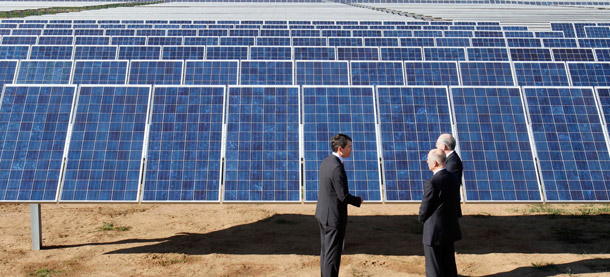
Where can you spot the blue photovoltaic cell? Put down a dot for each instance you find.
(401, 54)
(237, 41)
(580, 29)
(541, 74)
(200, 41)
(183, 53)
(531, 54)
(572, 151)
(549, 34)
(597, 32)
(594, 43)
(380, 41)
(487, 54)
(44, 72)
(358, 53)
(444, 54)
(494, 145)
(55, 52)
(347, 110)
(211, 73)
(590, 74)
(453, 42)
(308, 41)
(377, 73)
(322, 73)
(574, 55)
(603, 55)
(273, 41)
(128, 41)
(523, 42)
(7, 72)
(105, 154)
(411, 119)
(431, 73)
(560, 43)
(164, 41)
(345, 42)
(43, 40)
(155, 73)
(486, 74)
(24, 40)
(416, 42)
(227, 53)
(33, 127)
(270, 53)
(17, 52)
(566, 28)
(95, 52)
(488, 42)
(139, 52)
(266, 73)
(185, 140)
(262, 155)
(92, 40)
(100, 72)
(150, 32)
(314, 53)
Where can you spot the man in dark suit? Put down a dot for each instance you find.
(446, 143)
(439, 214)
(331, 210)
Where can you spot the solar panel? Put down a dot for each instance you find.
(212, 33)
(444, 54)
(262, 154)
(95, 52)
(573, 55)
(518, 34)
(309, 41)
(584, 43)
(427, 34)
(487, 54)
(345, 42)
(128, 41)
(380, 41)
(453, 42)
(16, 40)
(273, 41)
(139, 52)
(431, 73)
(164, 41)
(549, 34)
(351, 111)
(56, 52)
(25, 32)
(211, 72)
(155, 72)
(597, 32)
(227, 53)
(366, 33)
(560, 43)
(486, 74)
(243, 33)
(603, 55)
(458, 34)
(90, 40)
(237, 41)
(401, 54)
(541, 74)
(89, 32)
(397, 33)
(566, 28)
(58, 32)
(305, 33)
(314, 53)
(181, 32)
(183, 53)
(336, 33)
(105, 153)
(33, 126)
(184, 145)
(100, 72)
(270, 53)
(572, 150)
(266, 73)
(275, 33)
(411, 119)
(530, 54)
(44, 72)
(523, 42)
(416, 42)
(589, 74)
(377, 73)
(200, 41)
(118, 32)
(150, 32)
(488, 42)
(322, 73)
(14, 52)
(358, 53)
(580, 29)
(494, 145)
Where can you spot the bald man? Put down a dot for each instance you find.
(446, 143)
(439, 214)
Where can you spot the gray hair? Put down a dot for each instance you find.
(437, 155)
(447, 140)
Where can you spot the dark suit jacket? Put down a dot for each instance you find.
(454, 165)
(439, 209)
(333, 194)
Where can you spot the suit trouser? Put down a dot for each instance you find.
(331, 239)
(440, 260)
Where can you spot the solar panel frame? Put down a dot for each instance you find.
(157, 144)
(322, 73)
(444, 53)
(410, 119)
(428, 73)
(43, 75)
(51, 52)
(374, 73)
(271, 74)
(95, 157)
(223, 53)
(269, 147)
(541, 74)
(139, 52)
(315, 53)
(58, 139)
(19, 40)
(220, 72)
(358, 53)
(530, 54)
(573, 54)
(270, 53)
(14, 52)
(359, 181)
(139, 72)
(97, 71)
(85, 52)
(487, 54)
(183, 52)
(471, 76)
(501, 108)
(593, 73)
(559, 114)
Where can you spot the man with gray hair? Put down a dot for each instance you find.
(438, 213)
(446, 143)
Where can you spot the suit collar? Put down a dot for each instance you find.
(338, 156)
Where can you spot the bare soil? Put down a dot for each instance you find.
(283, 240)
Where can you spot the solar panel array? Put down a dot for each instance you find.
(243, 111)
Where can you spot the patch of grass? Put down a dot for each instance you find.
(544, 266)
(545, 209)
(110, 227)
(169, 259)
(45, 272)
(605, 209)
(481, 215)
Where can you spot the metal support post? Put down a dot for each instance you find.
(36, 230)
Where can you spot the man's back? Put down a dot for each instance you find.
(439, 209)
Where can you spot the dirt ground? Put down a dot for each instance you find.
(283, 240)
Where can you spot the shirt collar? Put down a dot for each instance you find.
(436, 171)
(338, 156)
(450, 153)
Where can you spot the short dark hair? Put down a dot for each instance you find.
(339, 140)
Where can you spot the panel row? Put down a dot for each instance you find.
(172, 72)
(248, 143)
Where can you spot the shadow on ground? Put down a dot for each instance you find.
(386, 235)
(543, 270)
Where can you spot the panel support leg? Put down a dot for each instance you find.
(36, 230)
